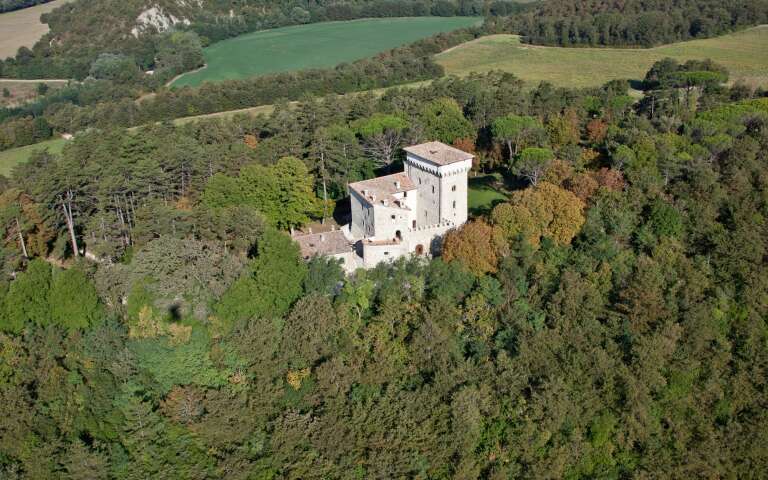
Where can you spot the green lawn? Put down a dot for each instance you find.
(485, 192)
(11, 158)
(313, 46)
(745, 54)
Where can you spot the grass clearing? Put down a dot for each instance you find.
(11, 158)
(485, 192)
(316, 45)
(22, 28)
(743, 53)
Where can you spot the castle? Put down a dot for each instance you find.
(401, 214)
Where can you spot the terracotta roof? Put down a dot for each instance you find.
(328, 243)
(381, 189)
(439, 153)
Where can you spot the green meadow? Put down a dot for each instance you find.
(313, 46)
(744, 53)
(11, 158)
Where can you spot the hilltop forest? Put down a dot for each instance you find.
(606, 320)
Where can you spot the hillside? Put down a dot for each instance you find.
(743, 54)
(319, 45)
(23, 28)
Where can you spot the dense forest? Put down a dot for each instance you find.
(633, 22)
(608, 320)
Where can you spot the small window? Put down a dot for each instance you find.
(386, 253)
(393, 217)
(454, 204)
(433, 189)
(419, 181)
(453, 188)
(405, 194)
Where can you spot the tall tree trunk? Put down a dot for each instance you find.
(325, 190)
(21, 239)
(66, 206)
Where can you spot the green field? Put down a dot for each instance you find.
(745, 54)
(485, 192)
(11, 158)
(313, 46)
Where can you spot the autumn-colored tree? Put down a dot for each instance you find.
(582, 185)
(542, 211)
(564, 129)
(610, 179)
(597, 129)
(473, 245)
(558, 172)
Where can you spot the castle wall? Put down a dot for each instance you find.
(362, 225)
(428, 185)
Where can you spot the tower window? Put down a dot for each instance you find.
(454, 204)
(393, 217)
(419, 180)
(453, 188)
(433, 189)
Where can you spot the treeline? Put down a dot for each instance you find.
(11, 5)
(107, 102)
(634, 22)
(607, 320)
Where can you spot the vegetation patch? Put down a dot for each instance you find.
(313, 46)
(11, 158)
(742, 53)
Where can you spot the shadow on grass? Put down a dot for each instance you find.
(485, 192)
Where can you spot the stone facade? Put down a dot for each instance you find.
(402, 214)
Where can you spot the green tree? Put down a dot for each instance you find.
(73, 300)
(443, 120)
(532, 163)
(382, 136)
(27, 300)
(270, 284)
(516, 131)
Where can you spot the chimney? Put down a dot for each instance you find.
(385, 202)
(397, 184)
(310, 230)
(322, 237)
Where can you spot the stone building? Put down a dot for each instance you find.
(405, 213)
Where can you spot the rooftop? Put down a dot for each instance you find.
(327, 243)
(382, 189)
(439, 153)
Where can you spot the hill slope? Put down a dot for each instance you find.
(743, 53)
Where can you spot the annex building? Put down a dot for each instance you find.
(406, 213)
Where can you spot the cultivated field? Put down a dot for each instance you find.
(313, 46)
(745, 54)
(15, 156)
(23, 91)
(22, 28)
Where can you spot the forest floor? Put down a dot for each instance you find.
(22, 28)
(317, 45)
(743, 53)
